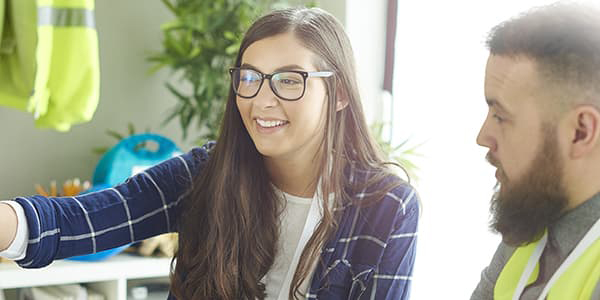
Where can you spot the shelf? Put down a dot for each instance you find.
(119, 268)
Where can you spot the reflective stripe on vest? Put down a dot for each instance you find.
(62, 17)
(576, 278)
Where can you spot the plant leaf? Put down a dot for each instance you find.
(100, 150)
(130, 128)
(114, 134)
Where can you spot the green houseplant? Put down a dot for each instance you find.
(403, 153)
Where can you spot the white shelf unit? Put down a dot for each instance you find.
(109, 277)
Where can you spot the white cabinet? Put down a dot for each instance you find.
(109, 277)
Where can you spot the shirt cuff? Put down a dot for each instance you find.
(18, 248)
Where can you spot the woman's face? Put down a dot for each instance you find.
(279, 128)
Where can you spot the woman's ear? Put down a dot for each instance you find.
(585, 130)
(342, 97)
(341, 104)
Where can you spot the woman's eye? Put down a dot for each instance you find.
(289, 81)
(250, 79)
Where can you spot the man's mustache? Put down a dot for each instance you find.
(492, 160)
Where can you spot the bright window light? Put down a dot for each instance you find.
(439, 99)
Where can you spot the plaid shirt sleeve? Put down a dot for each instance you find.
(143, 206)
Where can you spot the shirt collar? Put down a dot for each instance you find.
(573, 225)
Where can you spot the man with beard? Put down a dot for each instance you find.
(542, 86)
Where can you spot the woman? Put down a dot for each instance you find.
(294, 200)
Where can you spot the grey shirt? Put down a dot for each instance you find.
(563, 236)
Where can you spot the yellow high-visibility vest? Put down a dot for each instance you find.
(575, 279)
(49, 63)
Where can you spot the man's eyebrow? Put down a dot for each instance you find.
(491, 102)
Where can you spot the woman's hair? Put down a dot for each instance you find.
(230, 220)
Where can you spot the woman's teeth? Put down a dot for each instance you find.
(264, 123)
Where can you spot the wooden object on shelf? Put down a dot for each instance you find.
(163, 245)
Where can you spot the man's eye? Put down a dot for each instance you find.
(498, 118)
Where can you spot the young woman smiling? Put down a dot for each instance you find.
(294, 200)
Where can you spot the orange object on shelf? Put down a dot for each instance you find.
(71, 187)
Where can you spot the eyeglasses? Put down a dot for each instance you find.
(287, 85)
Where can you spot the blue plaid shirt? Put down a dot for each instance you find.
(371, 256)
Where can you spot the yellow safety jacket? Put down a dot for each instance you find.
(575, 279)
(49, 63)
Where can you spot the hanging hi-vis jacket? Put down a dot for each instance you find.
(575, 279)
(49, 63)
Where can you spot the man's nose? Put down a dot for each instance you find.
(485, 139)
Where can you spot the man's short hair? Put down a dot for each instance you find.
(562, 38)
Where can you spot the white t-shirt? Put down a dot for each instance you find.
(292, 221)
(18, 247)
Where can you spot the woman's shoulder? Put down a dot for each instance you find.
(202, 153)
(384, 208)
(402, 195)
(194, 160)
(382, 190)
(364, 182)
(406, 196)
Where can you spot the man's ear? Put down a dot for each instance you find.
(342, 97)
(585, 129)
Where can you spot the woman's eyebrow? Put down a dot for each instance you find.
(289, 67)
(249, 66)
(282, 68)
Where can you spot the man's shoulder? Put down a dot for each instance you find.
(489, 275)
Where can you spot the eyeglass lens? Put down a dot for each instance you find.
(286, 85)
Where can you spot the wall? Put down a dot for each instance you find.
(127, 31)
(366, 25)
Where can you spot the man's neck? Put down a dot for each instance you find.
(582, 187)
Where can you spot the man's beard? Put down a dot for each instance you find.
(521, 210)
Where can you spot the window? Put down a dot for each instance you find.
(438, 98)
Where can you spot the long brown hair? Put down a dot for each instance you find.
(230, 221)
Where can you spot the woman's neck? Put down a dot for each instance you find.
(296, 176)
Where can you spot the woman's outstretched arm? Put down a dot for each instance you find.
(143, 206)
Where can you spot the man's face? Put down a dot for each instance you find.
(512, 129)
(524, 149)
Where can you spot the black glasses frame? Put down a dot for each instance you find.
(305, 75)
